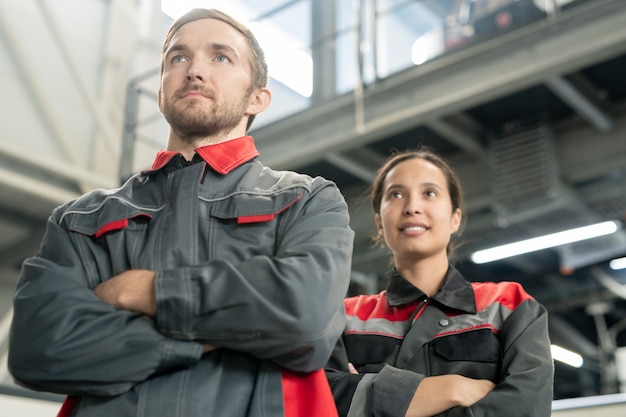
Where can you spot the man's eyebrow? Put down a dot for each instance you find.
(215, 46)
(176, 48)
(222, 47)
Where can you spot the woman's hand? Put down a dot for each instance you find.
(437, 394)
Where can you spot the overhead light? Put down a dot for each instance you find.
(544, 242)
(568, 357)
(618, 263)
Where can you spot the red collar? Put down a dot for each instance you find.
(222, 157)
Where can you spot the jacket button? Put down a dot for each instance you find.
(444, 322)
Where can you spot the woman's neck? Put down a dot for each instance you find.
(426, 274)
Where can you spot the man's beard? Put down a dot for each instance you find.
(197, 120)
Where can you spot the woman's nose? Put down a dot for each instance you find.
(412, 206)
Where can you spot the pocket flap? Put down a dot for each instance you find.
(481, 345)
(254, 208)
(111, 216)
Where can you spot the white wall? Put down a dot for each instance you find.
(14, 406)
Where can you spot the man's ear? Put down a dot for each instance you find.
(159, 100)
(259, 101)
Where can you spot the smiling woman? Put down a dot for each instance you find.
(433, 343)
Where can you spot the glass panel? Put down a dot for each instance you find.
(284, 32)
(409, 33)
(346, 63)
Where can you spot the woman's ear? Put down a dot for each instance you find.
(379, 225)
(457, 216)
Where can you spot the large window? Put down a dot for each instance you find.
(319, 49)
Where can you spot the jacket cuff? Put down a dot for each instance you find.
(179, 354)
(174, 299)
(392, 391)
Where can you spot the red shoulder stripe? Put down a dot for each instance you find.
(508, 294)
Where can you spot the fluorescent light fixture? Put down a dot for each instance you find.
(618, 263)
(568, 357)
(289, 63)
(544, 242)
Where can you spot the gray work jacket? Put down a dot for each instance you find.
(250, 259)
(481, 330)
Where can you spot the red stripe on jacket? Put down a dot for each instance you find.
(372, 307)
(307, 394)
(508, 294)
(67, 406)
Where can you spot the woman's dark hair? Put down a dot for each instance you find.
(454, 184)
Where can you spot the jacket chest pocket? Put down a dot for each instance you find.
(247, 224)
(110, 239)
(474, 354)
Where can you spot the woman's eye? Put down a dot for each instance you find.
(222, 58)
(431, 193)
(178, 58)
(396, 194)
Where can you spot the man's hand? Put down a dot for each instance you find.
(131, 290)
(209, 348)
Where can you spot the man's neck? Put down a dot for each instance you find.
(188, 147)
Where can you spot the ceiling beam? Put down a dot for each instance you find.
(349, 165)
(586, 106)
(467, 142)
(58, 168)
(40, 190)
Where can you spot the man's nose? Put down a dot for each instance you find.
(195, 73)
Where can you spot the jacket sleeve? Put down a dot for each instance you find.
(287, 307)
(527, 375)
(64, 339)
(380, 390)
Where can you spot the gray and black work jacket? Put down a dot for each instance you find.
(249, 259)
(485, 330)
